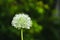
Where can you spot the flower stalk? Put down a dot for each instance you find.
(21, 34)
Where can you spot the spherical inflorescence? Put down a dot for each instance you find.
(21, 21)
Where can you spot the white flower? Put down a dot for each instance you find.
(22, 21)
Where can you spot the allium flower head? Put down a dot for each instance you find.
(22, 21)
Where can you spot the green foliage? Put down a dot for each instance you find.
(46, 23)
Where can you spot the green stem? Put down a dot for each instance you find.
(21, 34)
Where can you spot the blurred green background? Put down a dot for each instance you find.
(46, 22)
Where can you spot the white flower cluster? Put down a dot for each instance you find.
(22, 21)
